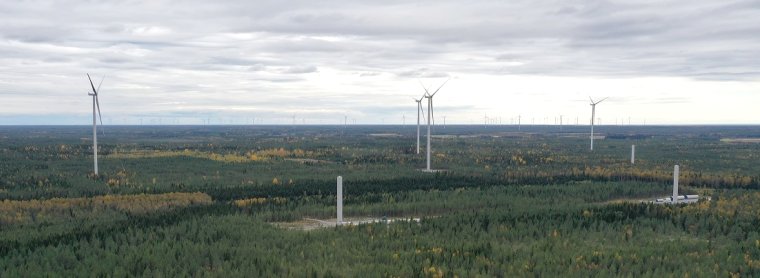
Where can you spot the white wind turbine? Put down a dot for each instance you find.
(95, 109)
(420, 111)
(593, 116)
(431, 115)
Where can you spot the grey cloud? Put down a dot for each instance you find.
(282, 79)
(422, 73)
(257, 67)
(300, 69)
(234, 61)
(209, 47)
(368, 74)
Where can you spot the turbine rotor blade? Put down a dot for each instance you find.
(439, 88)
(595, 103)
(101, 83)
(97, 103)
(423, 87)
(93, 85)
(422, 110)
(432, 111)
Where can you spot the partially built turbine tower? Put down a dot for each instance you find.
(675, 184)
(633, 154)
(339, 205)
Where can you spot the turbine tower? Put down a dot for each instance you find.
(431, 114)
(419, 112)
(95, 117)
(593, 115)
(339, 205)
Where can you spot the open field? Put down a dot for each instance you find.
(258, 201)
(740, 140)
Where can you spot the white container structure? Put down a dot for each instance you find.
(675, 184)
(680, 199)
(633, 154)
(340, 201)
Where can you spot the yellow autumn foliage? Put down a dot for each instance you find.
(248, 202)
(249, 156)
(241, 203)
(745, 205)
(227, 158)
(12, 212)
(432, 271)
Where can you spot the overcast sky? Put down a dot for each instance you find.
(188, 62)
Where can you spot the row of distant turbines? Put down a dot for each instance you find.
(431, 117)
(420, 113)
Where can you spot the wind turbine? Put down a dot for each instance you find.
(431, 115)
(95, 109)
(593, 115)
(420, 111)
(519, 122)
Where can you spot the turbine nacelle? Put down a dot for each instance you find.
(430, 96)
(94, 94)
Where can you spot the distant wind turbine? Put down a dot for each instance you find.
(593, 116)
(519, 122)
(421, 112)
(431, 116)
(95, 109)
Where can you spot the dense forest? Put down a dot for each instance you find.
(221, 201)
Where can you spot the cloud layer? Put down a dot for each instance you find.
(321, 60)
